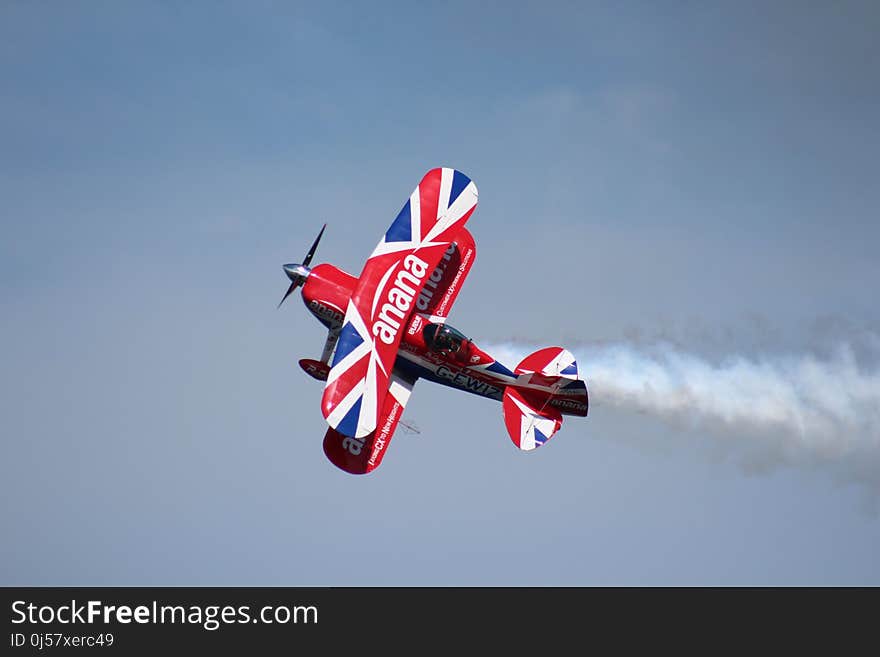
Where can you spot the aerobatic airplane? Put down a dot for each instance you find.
(387, 329)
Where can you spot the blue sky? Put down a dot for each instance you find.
(702, 175)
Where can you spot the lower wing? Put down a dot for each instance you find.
(363, 455)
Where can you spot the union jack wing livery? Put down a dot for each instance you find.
(363, 455)
(387, 328)
(385, 296)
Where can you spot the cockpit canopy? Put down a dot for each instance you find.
(442, 337)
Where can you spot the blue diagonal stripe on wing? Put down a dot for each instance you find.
(348, 425)
(459, 182)
(401, 229)
(349, 340)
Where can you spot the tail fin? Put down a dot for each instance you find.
(547, 387)
(550, 361)
(554, 371)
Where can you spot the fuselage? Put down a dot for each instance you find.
(430, 349)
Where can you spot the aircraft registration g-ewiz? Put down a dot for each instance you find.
(387, 329)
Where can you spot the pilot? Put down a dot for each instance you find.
(448, 343)
(445, 342)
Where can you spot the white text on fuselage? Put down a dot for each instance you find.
(400, 298)
(466, 382)
(333, 316)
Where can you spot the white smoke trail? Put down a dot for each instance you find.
(812, 409)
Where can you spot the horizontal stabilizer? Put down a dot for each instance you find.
(530, 425)
(315, 368)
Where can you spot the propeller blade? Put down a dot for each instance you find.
(292, 287)
(308, 258)
(298, 273)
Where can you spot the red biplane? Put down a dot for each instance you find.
(387, 329)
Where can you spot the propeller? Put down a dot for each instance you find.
(298, 273)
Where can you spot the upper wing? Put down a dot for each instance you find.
(389, 286)
(444, 283)
(363, 455)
